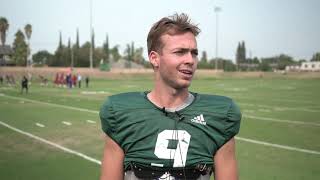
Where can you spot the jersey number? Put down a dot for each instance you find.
(179, 155)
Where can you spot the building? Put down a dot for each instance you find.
(5, 55)
(310, 66)
(305, 66)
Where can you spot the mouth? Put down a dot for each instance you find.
(186, 72)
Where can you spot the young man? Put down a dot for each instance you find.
(169, 132)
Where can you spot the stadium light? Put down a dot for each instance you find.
(217, 10)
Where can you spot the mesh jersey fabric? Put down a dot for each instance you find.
(151, 137)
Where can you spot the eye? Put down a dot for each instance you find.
(179, 52)
(194, 53)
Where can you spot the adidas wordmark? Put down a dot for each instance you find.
(199, 119)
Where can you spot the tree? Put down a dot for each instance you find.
(127, 53)
(69, 54)
(115, 53)
(20, 48)
(238, 54)
(285, 60)
(60, 57)
(265, 66)
(59, 54)
(106, 49)
(75, 49)
(4, 26)
(241, 54)
(28, 31)
(83, 55)
(228, 65)
(316, 57)
(60, 40)
(42, 57)
(138, 56)
(204, 57)
(132, 51)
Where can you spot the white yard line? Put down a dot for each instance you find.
(239, 138)
(67, 123)
(51, 104)
(282, 107)
(281, 100)
(40, 125)
(52, 143)
(278, 146)
(90, 121)
(97, 112)
(281, 120)
(99, 162)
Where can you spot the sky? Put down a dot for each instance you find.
(268, 27)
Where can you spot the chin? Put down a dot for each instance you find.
(184, 84)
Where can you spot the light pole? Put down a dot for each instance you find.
(91, 50)
(217, 10)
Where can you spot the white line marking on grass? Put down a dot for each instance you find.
(281, 120)
(282, 108)
(264, 110)
(99, 162)
(97, 112)
(281, 100)
(278, 146)
(94, 92)
(244, 139)
(40, 125)
(67, 123)
(52, 104)
(89, 121)
(52, 143)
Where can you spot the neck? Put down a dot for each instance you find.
(168, 97)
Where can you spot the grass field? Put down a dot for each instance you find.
(278, 140)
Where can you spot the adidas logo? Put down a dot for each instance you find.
(199, 120)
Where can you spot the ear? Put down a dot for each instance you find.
(154, 59)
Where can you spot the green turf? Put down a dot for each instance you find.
(283, 100)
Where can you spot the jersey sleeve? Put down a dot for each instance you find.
(108, 120)
(233, 120)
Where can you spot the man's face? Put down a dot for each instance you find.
(178, 60)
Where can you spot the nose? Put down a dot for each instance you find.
(190, 58)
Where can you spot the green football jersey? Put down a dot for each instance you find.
(151, 136)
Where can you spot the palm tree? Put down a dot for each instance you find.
(28, 32)
(4, 26)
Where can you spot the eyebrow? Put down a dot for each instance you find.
(186, 49)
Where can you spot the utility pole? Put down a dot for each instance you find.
(217, 10)
(91, 50)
